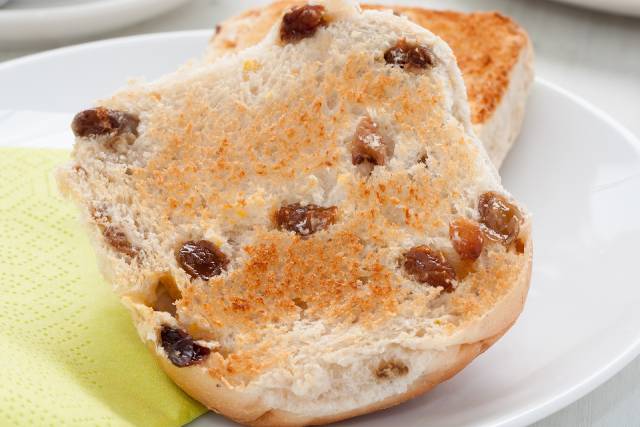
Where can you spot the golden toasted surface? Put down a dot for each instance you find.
(487, 45)
(210, 166)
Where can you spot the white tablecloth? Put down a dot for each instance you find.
(596, 56)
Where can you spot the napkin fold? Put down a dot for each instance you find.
(70, 354)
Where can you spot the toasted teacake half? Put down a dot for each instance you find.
(308, 230)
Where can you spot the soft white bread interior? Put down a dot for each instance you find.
(493, 52)
(309, 229)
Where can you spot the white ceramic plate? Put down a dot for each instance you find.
(576, 169)
(30, 21)
(623, 7)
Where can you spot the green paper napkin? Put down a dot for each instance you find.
(70, 354)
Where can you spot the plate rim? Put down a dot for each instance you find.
(538, 410)
(625, 8)
(608, 370)
(113, 41)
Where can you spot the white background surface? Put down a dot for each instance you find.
(594, 55)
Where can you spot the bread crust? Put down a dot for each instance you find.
(218, 398)
(466, 354)
(502, 127)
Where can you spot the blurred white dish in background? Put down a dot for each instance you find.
(623, 7)
(25, 4)
(41, 23)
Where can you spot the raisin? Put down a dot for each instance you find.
(466, 238)
(180, 348)
(118, 240)
(500, 219)
(101, 121)
(305, 220)
(369, 145)
(430, 267)
(409, 55)
(300, 303)
(391, 369)
(301, 22)
(202, 259)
